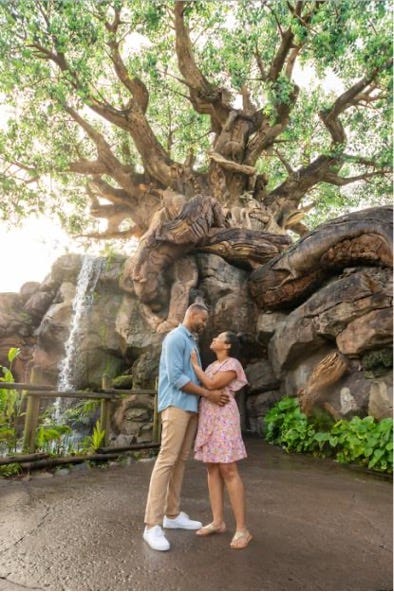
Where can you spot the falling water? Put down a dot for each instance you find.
(87, 280)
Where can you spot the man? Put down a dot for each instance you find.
(178, 394)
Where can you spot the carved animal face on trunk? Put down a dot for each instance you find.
(152, 291)
(173, 202)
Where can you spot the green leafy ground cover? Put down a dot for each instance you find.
(363, 441)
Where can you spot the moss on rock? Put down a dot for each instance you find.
(377, 362)
(123, 381)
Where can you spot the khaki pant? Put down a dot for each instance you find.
(178, 431)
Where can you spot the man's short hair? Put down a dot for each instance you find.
(197, 307)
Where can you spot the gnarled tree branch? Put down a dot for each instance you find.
(204, 97)
(134, 85)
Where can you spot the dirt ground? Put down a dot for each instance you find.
(316, 526)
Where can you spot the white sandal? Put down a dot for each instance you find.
(241, 539)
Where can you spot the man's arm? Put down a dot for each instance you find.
(216, 396)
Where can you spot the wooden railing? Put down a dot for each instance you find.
(106, 396)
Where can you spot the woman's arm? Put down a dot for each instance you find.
(220, 380)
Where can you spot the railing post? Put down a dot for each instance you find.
(31, 422)
(105, 410)
(106, 382)
(105, 419)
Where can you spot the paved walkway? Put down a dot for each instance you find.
(317, 526)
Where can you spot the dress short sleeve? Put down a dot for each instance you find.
(240, 380)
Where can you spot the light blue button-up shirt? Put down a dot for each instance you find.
(176, 370)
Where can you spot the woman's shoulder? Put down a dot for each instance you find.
(236, 361)
(240, 379)
(232, 364)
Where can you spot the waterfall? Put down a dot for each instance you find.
(87, 280)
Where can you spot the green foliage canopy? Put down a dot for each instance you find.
(105, 99)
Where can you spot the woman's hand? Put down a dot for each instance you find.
(194, 359)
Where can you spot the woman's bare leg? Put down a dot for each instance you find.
(235, 488)
(215, 488)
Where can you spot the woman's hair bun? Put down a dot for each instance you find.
(241, 337)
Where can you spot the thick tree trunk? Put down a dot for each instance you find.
(181, 227)
(244, 247)
(199, 225)
(359, 238)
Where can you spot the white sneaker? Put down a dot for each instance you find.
(155, 538)
(181, 521)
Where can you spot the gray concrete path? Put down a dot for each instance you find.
(316, 526)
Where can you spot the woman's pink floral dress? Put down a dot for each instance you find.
(219, 437)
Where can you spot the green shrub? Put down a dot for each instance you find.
(362, 441)
(82, 412)
(93, 442)
(286, 425)
(377, 362)
(365, 441)
(50, 437)
(10, 470)
(8, 439)
(123, 381)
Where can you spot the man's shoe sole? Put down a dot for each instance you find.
(182, 527)
(153, 548)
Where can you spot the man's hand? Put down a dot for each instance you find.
(218, 397)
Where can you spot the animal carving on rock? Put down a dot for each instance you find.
(232, 141)
(328, 371)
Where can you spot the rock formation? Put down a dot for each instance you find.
(321, 299)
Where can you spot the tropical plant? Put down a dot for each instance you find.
(94, 441)
(82, 412)
(8, 439)
(282, 103)
(285, 424)
(11, 406)
(65, 438)
(362, 441)
(10, 470)
(51, 438)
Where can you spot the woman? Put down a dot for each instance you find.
(219, 442)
